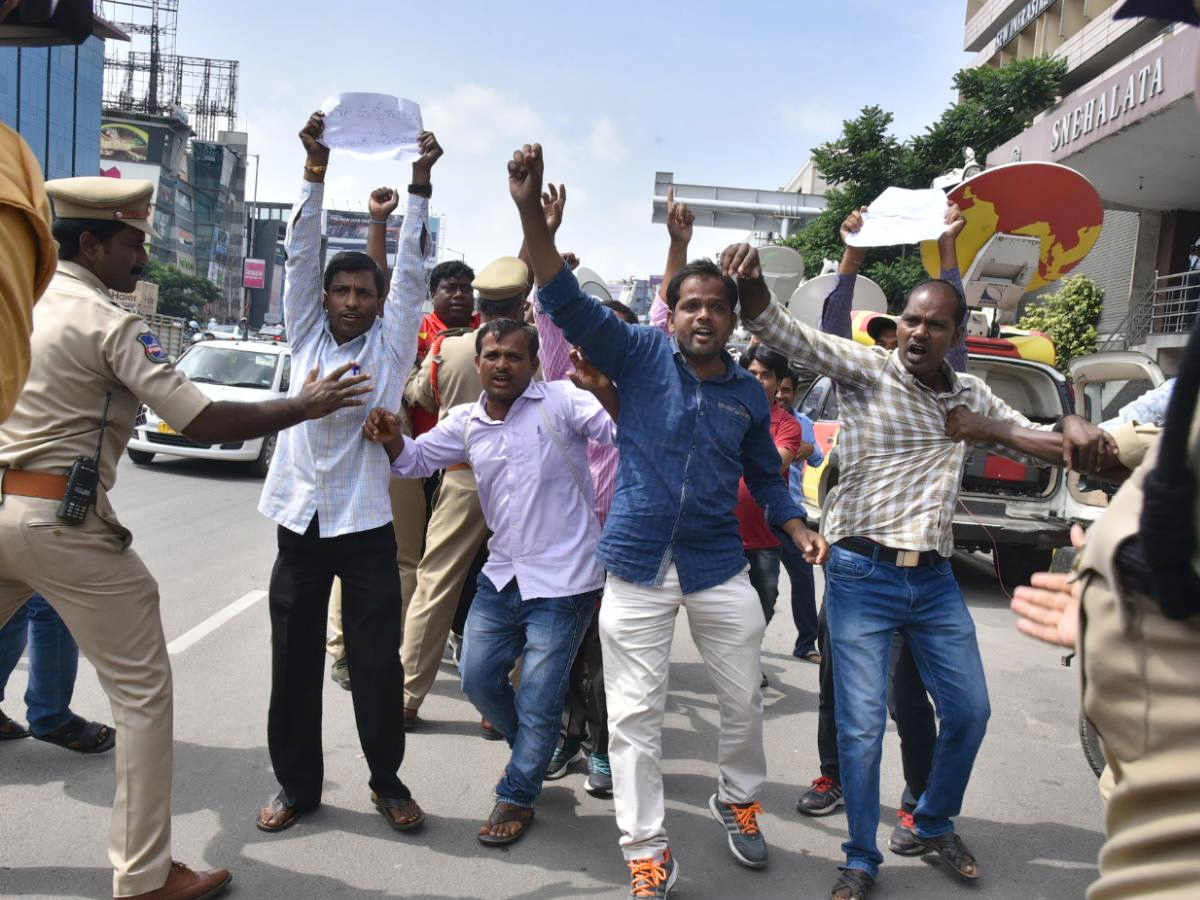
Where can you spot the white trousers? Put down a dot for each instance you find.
(637, 625)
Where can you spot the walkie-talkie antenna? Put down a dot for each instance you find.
(103, 425)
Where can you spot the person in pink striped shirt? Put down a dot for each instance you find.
(586, 713)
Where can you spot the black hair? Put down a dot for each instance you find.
(69, 232)
(451, 268)
(621, 310)
(773, 360)
(960, 300)
(498, 328)
(354, 261)
(793, 375)
(703, 268)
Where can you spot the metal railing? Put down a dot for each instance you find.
(1175, 302)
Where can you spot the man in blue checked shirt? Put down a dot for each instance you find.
(692, 421)
(327, 492)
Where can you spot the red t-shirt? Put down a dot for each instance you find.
(431, 326)
(756, 533)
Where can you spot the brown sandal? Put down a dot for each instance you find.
(11, 729)
(410, 814)
(501, 813)
(950, 849)
(278, 815)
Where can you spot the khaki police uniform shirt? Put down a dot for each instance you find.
(84, 346)
(28, 254)
(457, 377)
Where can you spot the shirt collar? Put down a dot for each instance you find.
(79, 273)
(355, 344)
(535, 391)
(730, 365)
(957, 385)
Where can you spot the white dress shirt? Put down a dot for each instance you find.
(537, 505)
(324, 467)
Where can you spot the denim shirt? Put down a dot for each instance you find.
(684, 444)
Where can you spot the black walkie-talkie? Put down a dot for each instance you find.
(83, 479)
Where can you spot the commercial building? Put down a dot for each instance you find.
(1128, 121)
(52, 96)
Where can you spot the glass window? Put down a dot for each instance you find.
(812, 400)
(31, 107)
(229, 366)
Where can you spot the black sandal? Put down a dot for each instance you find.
(81, 736)
(506, 812)
(951, 850)
(11, 729)
(857, 884)
(409, 806)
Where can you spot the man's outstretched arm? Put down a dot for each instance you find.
(302, 292)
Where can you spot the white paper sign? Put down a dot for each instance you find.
(372, 126)
(902, 216)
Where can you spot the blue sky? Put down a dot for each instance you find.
(722, 93)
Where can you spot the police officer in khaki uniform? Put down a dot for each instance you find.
(92, 364)
(457, 529)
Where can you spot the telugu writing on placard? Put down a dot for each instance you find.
(902, 216)
(372, 126)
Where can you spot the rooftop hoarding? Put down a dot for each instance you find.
(347, 230)
(125, 142)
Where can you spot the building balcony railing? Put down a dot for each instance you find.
(1175, 303)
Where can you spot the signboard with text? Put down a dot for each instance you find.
(254, 273)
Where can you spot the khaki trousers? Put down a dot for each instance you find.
(408, 520)
(109, 601)
(456, 532)
(1141, 689)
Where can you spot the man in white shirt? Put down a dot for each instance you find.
(526, 442)
(327, 490)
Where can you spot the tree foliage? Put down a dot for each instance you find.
(180, 294)
(1069, 316)
(995, 105)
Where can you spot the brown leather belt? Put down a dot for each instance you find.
(459, 467)
(29, 483)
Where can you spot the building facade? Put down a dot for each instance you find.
(1127, 120)
(52, 96)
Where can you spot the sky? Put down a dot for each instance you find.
(717, 93)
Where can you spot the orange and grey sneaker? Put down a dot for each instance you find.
(903, 841)
(652, 876)
(746, 841)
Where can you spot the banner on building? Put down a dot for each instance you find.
(347, 230)
(124, 142)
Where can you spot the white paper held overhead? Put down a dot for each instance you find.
(372, 126)
(902, 216)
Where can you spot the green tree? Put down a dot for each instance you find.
(180, 294)
(1069, 316)
(995, 105)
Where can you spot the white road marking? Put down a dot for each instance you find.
(213, 622)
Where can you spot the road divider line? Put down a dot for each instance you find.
(213, 622)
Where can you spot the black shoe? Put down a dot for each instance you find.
(599, 782)
(821, 799)
(339, 673)
(560, 762)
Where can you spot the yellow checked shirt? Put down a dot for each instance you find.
(85, 346)
(27, 257)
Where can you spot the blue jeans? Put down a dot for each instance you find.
(547, 632)
(53, 662)
(866, 601)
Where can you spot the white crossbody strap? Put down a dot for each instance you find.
(562, 449)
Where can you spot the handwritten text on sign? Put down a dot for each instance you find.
(372, 126)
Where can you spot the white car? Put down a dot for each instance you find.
(246, 371)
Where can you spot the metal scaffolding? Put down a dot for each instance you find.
(148, 76)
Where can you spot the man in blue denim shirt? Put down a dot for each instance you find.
(691, 423)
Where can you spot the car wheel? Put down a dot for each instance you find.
(265, 455)
(1016, 563)
(140, 457)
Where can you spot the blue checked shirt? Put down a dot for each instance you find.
(684, 444)
(325, 467)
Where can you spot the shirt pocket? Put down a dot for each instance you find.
(727, 421)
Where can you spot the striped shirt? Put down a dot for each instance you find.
(324, 467)
(899, 473)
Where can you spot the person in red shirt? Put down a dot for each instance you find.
(762, 547)
(453, 308)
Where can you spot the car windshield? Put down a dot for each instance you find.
(229, 366)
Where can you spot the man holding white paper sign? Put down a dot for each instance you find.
(372, 126)
(901, 216)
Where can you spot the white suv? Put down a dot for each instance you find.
(245, 371)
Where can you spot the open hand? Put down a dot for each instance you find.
(431, 152)
(310, 137)
(680, 219)
(381, 426)
(554, 199)
(322, 396)
(586, 376)
(383, 202)
(525, 171)
(1049, 609)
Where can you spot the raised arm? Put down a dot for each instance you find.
(554, 353)
(402, 311)
(302, 292)
(845, 361)
(680, 220)
(956, 356)
(835, 314)
(382, 203)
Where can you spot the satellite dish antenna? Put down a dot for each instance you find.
(782, 268)
(592, 284)
(807, 301)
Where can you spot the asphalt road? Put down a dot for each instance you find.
(1032, 814)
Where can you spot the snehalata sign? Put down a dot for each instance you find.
(1108, 104)
(254, 273)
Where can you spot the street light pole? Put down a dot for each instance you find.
(250, 236)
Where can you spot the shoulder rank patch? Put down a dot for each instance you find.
(154, 351)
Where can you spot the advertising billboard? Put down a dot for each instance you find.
(347, 230)
(254, 273)
(123, 142)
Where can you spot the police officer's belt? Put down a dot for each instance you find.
(28, 483)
